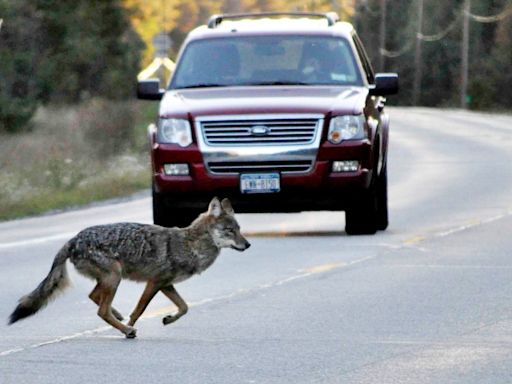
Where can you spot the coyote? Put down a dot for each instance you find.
(160, 256)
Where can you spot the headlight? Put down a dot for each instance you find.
(174, 131)
(348, 127)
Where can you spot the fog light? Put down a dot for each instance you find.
(176, 169)
(345, 166)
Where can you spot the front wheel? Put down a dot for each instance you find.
(362, 217)
(369, 213)
(382, 200)
(170, 217)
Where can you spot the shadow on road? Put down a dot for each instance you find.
(295, 233)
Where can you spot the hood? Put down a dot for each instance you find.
(325, 100)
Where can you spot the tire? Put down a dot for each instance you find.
(167, 217)
(382, 200)
(362, 218)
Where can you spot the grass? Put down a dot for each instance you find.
(75, 155)
(46, 201)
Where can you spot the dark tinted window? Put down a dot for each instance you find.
(267, 60)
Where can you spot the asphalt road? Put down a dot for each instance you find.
(427, 301)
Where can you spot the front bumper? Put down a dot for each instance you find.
(318, 189)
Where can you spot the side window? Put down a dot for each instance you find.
(364, 60)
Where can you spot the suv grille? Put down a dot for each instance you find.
(265, 166)
(259, 132)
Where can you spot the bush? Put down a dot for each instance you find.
(74, 155)
(107, 126)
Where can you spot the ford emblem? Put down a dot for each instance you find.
(260, 130)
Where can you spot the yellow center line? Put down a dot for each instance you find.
(415, 240)
(317, 269)
(474, 222)
(325, 267)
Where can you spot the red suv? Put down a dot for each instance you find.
(278, 112)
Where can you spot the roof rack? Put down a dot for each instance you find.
(215, 20)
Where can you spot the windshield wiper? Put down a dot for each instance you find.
(280, 82)
(214, 85)
(203, 85)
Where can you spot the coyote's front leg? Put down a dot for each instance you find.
(149, 292)
(171, 293)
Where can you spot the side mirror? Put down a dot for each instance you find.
(149, 89)
(385, 84)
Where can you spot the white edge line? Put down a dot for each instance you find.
(478, 223)
(219, 298)
(37, 240)
(157, 313)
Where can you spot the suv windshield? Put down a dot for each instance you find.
(266, 60)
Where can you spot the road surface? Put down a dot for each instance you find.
(427, 301)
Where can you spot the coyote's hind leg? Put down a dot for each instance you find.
(95, 297)
(172, 294)
(107, 290)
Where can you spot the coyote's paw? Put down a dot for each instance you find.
(130, 333)
(169, 319)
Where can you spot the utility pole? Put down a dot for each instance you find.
(418, 70)
(382, 35)
(465, 55)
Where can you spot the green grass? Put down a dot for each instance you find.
(74, 156)
(59, 199)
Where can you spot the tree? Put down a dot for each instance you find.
(19, 54)
(490, 84)
(498, 67)
(490, 47)
(150, 18)
(63, 53)
(89, 50)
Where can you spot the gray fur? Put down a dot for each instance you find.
(141, 252)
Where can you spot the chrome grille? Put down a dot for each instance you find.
(259, 132)
(265, 166)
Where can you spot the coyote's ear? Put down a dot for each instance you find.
(214, 209)
(228, 208)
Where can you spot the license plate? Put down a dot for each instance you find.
(260, 183)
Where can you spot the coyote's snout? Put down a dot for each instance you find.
(160, 256)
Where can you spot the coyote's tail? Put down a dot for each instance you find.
(56, 281)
